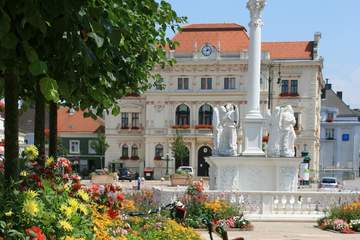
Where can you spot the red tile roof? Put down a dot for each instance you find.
(289, 50)
(76, 122)
(199, 34)
(233, 38)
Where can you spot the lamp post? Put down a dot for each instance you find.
(167, 158)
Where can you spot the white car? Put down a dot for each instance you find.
(189, 170)
(328, 182)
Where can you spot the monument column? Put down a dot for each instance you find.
(253, 118)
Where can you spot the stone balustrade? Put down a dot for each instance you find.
(270, 205)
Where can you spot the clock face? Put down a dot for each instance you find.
(206, 50)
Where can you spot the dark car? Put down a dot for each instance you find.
(126, 174)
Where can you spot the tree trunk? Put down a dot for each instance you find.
(11, 128)
(53, 130)
(39, 131)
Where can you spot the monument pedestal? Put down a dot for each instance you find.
(251, 173)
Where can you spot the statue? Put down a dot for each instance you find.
(225, 122)
(273, 147)
(281, 132)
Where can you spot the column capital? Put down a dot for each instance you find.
(255, 7)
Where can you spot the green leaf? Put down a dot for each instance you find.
(98, 40)
(4, 23)
(115, 37)
(49, 89)
(37, 68)
(30, 53)
(9, 41)
(115, 110)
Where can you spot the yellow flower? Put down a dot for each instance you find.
(71, 238)
(68, 211)
(9, 213)
(215, 205)
(65, 225)
(73, 203)
(83, 209)
(23, 173)
(83, 194)
(49, 161)
(31, 152)
(31, 207)
(30, 194)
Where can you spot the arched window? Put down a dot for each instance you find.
(159, 151)
(134, 151)
(182, 115)
(125, 151)
(205, 114)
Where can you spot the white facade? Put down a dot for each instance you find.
(340, 144)
(157, 108)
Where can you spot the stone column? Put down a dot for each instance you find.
(253, 118)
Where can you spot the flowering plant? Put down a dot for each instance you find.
(345, 218)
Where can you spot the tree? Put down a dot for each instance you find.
(87, 54)
(180, 150)
(100, 145)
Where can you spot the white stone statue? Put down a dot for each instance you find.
(273, 147)
(225, 122)
(281, 132)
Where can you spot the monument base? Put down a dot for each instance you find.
(247, 173)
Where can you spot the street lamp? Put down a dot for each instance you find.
(167, 158)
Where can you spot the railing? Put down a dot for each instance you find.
(270, 205)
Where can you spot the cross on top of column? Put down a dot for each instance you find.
(255, 7)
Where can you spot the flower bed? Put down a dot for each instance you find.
(181, 126)
(203, 126)
(344, 219)
(49, 202)
(199, 210)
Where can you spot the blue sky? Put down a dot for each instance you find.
(297, 20)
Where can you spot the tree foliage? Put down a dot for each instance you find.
(83, 53)
(180, 150)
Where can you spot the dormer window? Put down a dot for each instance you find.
(330, 117)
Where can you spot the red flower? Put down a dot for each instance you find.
(35, 233)
(112, 213)
(120, 197)
(112, 188)
(34, 177)
(76, 186)
(40, 184)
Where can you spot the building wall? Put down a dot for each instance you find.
(337, 156)
(89, 160)
(157, 108)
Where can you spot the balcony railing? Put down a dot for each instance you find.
(271, 205)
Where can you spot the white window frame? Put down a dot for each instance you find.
(231, 83)
(70, 146)
(91, 150)
(182, 85)
(208, 82)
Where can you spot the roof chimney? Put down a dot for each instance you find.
(339, 94)
(317, 37)
(327, 84)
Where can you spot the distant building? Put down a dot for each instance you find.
(211, 69)
(77, 134)
(339, 137)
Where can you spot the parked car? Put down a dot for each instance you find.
(187, 169)
(328, 182)
(126, 174)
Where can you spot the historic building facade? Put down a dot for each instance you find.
(339, 137)
(211, 69)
